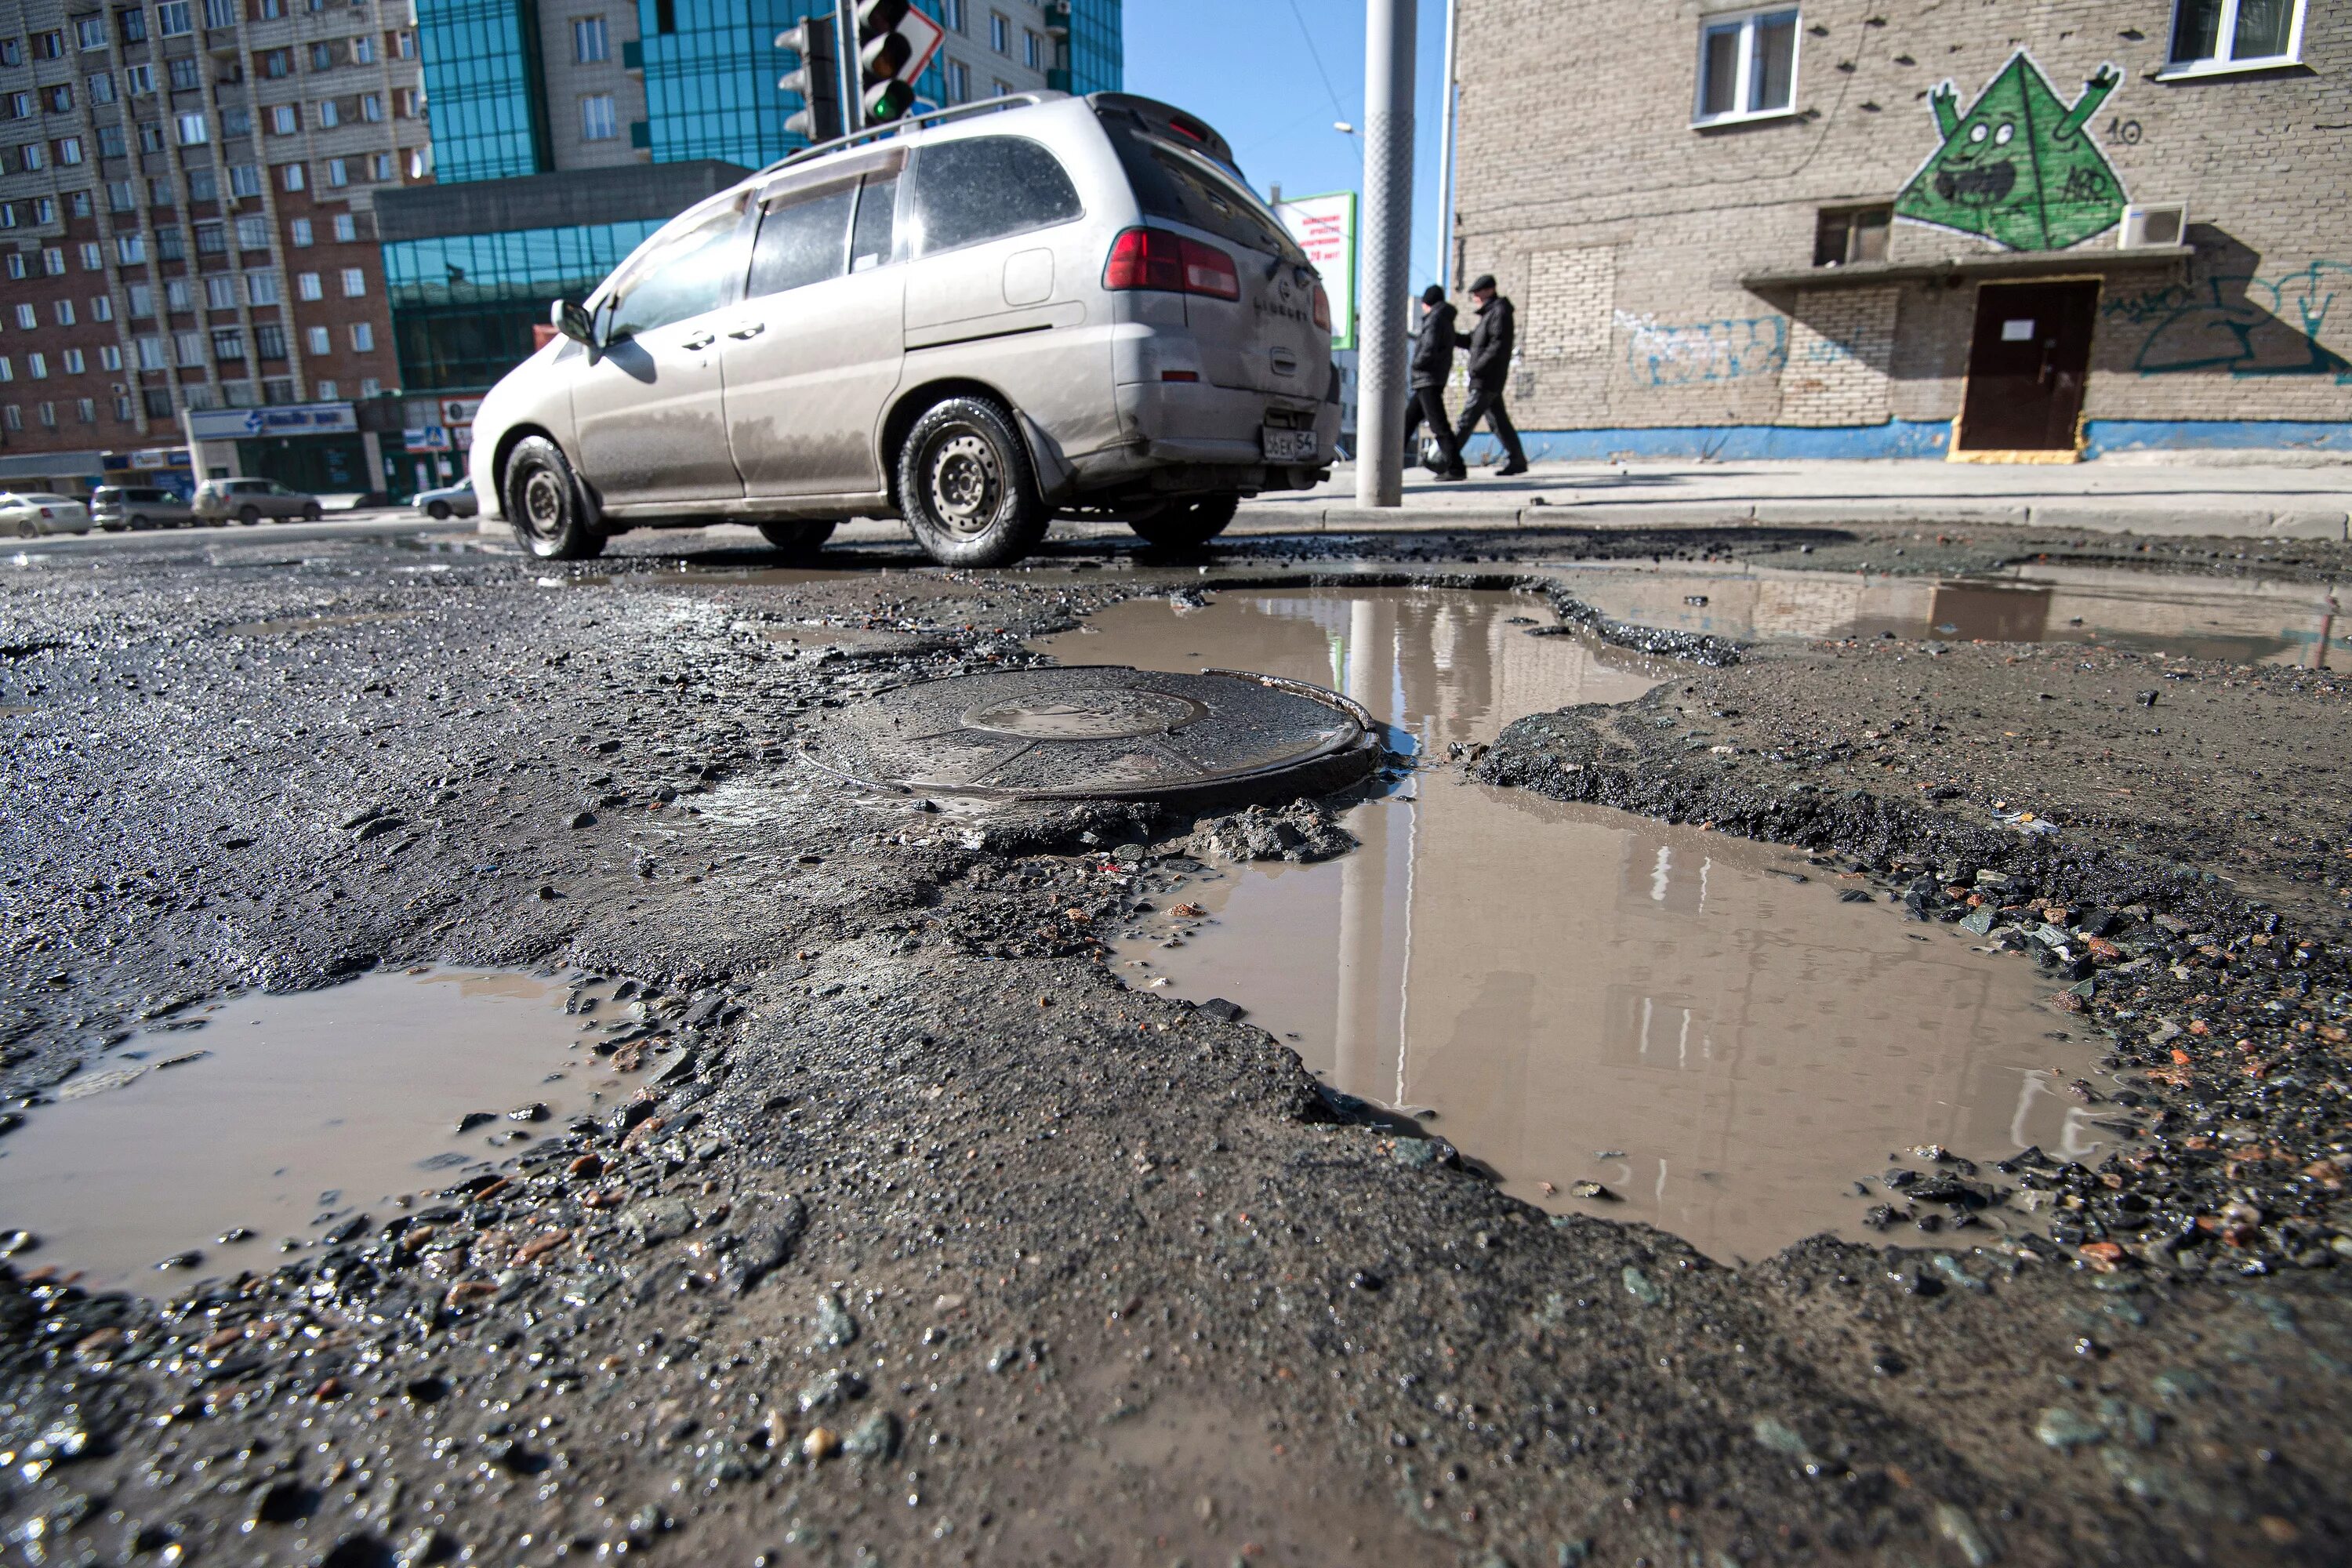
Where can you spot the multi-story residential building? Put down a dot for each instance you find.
(2037, 232)
(562, 135)
(186, 224)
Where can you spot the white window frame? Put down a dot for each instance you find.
(596, 126)
(591, 41)
(2225, 36)
(318, 340)
(307, 286)
(355, 283)
(1743, 84)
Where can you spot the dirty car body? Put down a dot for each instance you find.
(1039, 307)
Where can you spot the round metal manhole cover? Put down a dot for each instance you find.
(1103, 732)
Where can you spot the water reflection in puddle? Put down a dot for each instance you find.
(1582, 995)
(281, 1113)
(2250, 620)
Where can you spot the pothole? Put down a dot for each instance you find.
(1698, 1024)
(213, 1137)
(2251, 620)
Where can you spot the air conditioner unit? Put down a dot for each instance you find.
(2153, 224)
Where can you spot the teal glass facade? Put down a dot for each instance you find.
(483, 81)
(464, 306)
(1097, 47)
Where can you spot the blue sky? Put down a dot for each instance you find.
(1248, 68)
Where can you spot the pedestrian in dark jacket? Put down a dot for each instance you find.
(1433, 367)
(1490, 366)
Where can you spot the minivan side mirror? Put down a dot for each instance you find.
(572, 321)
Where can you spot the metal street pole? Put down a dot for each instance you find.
(1388, 259)
(853, 73)
(1444, 233)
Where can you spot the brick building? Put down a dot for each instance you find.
(1913, 227)
(185, 223)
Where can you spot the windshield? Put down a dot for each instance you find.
(1183, 184)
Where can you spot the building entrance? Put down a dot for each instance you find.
(2027, 362)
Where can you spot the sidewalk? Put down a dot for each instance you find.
(2111, 496)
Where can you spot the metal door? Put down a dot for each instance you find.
(2027, 362)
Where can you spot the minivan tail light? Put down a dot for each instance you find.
(1322, 309)
(1157, 259)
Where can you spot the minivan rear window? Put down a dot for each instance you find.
(1184, 185)
(986, 187)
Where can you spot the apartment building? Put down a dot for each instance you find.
(188, 235)
(564, 134)
(1905, 228)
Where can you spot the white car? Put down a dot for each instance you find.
(977, 319)
(29, 516)
(450, 500)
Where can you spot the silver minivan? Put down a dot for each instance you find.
(976, 321)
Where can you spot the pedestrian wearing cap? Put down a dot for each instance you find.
(1433, 367)
(1491, 341)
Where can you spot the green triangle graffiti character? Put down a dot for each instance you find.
(2018, 167)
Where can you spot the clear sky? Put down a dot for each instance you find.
(1250, 68)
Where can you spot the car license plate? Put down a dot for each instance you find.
(1288, 445)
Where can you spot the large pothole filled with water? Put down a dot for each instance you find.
(1706, 1028)
(214, 1139)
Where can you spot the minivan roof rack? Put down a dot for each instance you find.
(914, 123)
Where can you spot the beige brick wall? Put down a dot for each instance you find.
(1580, 172)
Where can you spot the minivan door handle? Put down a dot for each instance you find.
(748, 329)
(700, 341)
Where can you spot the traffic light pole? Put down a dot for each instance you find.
(1388, 244)
(853, 78)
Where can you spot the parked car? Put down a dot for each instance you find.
(977, 319)
(450, 500)
(250, 500)
(113, 507)
(30, 514)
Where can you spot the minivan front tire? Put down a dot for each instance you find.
(544, 503)
(966, 487)
(1187, 524)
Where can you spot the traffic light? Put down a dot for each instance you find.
(895, 42)
(817, 80)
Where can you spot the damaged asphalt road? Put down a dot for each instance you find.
(909, 1234)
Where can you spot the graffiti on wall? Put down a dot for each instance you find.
(2020, 168)
(2240, 323)
(1683, 353)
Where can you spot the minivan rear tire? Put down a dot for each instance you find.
(545, 506)
(802, 538)
(1187, 524)
(248, 515)
(966, 486)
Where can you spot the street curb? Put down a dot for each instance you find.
(2091, 517)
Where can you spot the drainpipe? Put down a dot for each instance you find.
(1387, 242)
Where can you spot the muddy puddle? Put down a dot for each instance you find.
(2250, 621)
(211, 1139)
(1700, 1025)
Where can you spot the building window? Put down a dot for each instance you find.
(236, 121)
(143, 299)
(70, 150)
(307, 286)
(346, 228)
(177, 297)
(36, 157)
(2234, 35)
(285, 119)
(109, 356)
(93, 257)
(327, 391)
(1000, 32)
(74, 362)
(171, 243)
(122, 410)
(278, 64)
(952, 12)
(363, 338)
(102, 87)
(48, 46)
(245, 179)
(1033, 50)
(90, 32)
(12, 52)
(331, 114)
(131, 23)
(597, 122)
(959, 82)
(381, 166)
(132, 249)
(588, 42)
(1746, 66)
(190, 349)
(269, 340)
(101, 309)
(203, 186)
(289, 177)
(86, 409)
(211, 239)
(177, 17)
(339, 173)
(371, 106)
(12, 417)
(7, 370)
(220, 12)
(195, 130)
(38, 363)
(58, 99)
(185, 77)
(261, 288)
(49, 415)
(355, 283)
(228, 345)
(371, 387)
(121, 196)
(298, 233)
(53, 261)
(319, 342)
(363, 50)
(64, 311)
(253, 234)
(158, 402)
(220, 291)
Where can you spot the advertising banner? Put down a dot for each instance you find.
(1325, 227)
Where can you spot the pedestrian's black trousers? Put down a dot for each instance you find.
(1486, 402)
(1428, 403)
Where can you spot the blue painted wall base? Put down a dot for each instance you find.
(1911, 439)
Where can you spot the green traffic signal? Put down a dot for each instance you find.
(888, 100)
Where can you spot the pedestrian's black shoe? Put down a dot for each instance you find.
(1508, 469)
(1448, 476)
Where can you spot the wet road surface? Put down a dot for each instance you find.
(923, 1233)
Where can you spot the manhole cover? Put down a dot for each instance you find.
(1103, 730)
